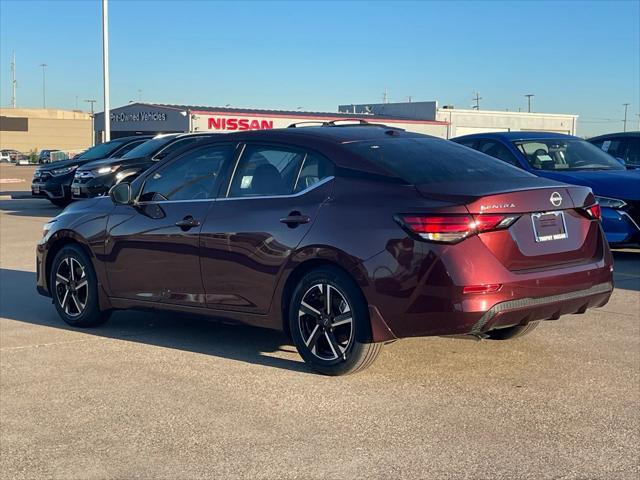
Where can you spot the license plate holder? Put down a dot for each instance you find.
(548, 226)
(36, 189)
(75, 190)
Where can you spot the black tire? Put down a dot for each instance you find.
(333, 346)
(60, 202)
(73, 258)
(512, 332)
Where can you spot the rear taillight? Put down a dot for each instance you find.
(452, 228)
(593, 212)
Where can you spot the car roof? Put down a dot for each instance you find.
(514, 136)
(338, 134)
(132, 137)
(615, 135)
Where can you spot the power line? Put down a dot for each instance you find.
(477, 99)
(529, 96)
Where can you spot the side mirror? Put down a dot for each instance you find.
(621, 160)
(121, 194)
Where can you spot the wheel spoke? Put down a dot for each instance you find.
(334, 345)
(61, 279)
(71, 270)
(81, 283)
(342, 319)
(76, 302)
(313, 337)
(328, 299)
(64, 303)
(309, 310)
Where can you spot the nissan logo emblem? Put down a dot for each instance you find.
(555, 199)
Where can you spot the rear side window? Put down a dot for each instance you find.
(128, 147)
(266, 171)
(432, 160)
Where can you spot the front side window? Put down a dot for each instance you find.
(497, 150)
(566, 154)
(422, 160)
(266, 171)
(150, 146)
(193, 176)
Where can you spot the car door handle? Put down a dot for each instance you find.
(187, 223)
(295, 218)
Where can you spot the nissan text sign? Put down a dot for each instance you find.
(238, 123)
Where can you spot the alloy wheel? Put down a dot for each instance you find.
(72, 286)
(325, 319)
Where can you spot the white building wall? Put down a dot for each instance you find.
(464, 122)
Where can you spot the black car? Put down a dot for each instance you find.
(96, 178)
(53, 181)
(625, 146)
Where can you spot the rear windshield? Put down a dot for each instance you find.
(432, 160)
(149, 147)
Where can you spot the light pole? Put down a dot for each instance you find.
(626, 106)
(93, 135)
(529, 95)
(44, 93)
(105, 69)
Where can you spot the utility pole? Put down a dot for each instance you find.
(14, 82)
(626, 106)
(477, 99)
(44, 92)
(105, 69)
(529, 96)
(93, 136)
(385, 96)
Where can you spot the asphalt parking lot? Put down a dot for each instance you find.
(157, 395)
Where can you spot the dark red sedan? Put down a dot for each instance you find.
(345, 237)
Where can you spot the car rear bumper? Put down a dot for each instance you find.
(423, 294)
(525, 310)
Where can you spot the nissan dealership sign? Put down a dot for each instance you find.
(238, 123)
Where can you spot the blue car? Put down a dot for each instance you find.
(572, 160)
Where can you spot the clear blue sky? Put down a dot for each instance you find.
(576, 57)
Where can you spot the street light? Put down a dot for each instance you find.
(93, 135)
(105, 69)
(529, 95)
(626, 106)
(44, 96)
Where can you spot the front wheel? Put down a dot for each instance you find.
(74, 288)
(327, 317)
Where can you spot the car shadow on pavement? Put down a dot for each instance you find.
(626, 272)
(20, 302)
(28, 206)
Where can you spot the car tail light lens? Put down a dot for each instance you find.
(486, 288)
(452, 228)
(594, 212)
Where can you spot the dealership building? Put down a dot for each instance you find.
(420, 117)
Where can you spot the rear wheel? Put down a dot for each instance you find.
(74, 288)
(512, 332)
(327, 316)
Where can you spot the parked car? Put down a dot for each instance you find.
(96, 178)
(45, 156)
(572, 160)
(9, 155)
(53, 181)
(344, 237)
(624, 146)
(23, 160)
